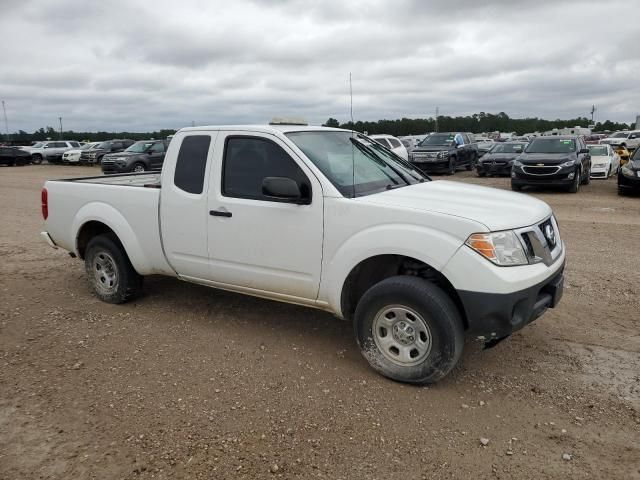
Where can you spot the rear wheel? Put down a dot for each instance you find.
(111, 275)
(409, 330)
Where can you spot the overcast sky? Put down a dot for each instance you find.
(145, 65)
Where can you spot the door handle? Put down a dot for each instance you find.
(219, 213)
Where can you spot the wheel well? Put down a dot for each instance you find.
(87, 232)
(375, 269)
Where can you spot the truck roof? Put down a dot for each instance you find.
(264, 128)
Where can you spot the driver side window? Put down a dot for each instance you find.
(249, 160)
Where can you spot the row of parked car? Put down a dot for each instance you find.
(114, 156)
(551, 161)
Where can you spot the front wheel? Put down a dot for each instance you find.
(575, 186)
(110, 273)
(587, 179)
(409, 330)
(473, 161)
(36, 159)
(451, 170)
(138, 168)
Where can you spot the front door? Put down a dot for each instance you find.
(257, 242)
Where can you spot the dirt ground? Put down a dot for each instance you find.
(190, 382)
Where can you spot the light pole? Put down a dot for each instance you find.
(60, 118)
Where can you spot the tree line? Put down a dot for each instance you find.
(476, 123)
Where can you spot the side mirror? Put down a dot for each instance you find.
(284, 189)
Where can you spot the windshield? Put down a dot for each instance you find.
(598, 150)
(38, 145)
(552, 145)
(139, 147)
(105, 145)
(438, 139)
(355, 164)
(88, 146)
(620, 135)
(507, 148)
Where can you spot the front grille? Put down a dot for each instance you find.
(107, 162)
(542, 241)
(537, 170)
(549, 233)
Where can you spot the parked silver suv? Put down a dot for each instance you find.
(50, 150)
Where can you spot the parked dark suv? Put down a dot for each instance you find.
(139, 157)
(110, 146)
(440, 152)
(553, 161)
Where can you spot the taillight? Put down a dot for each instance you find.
(45, 203)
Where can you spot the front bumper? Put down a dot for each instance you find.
(492, 316)
(628, 183)
(599, 172)
(562, 177)
(431, 165)
(494, 167)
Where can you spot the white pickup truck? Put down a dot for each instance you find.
(325, 218)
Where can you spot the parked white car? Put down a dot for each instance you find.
(604, 161)
(51, 150)
(392, 143)
(630, 139)
(325, 218)
(73, 156)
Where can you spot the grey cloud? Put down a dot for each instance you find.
(124, 65)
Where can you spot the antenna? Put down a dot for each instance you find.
(6, 124)
(353, 153)
(593, 110)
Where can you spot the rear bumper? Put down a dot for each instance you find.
(47, 238)
(493, 316)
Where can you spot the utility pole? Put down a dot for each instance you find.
(437, 113)
(60, 118)
(593, 110)
(6, 124)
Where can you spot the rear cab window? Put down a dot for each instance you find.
(192, 163)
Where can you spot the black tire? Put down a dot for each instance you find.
(481, 174)
(433, 308)
(516, 188)
(139, 167)
(575, 186)
(36, 159)
(587, 179)
(469, 167)
(452, 166)
(99, 160)
(104, 256)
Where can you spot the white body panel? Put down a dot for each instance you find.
(295, 253)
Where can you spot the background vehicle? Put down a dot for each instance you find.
(392, 143)
(344, 225)
(630, 140)
(629, 175)
(139, 157)
(594, 138)
(484, 145)
(51, 151)
(73, 156)
(604, 161)
(14, 156)
(439, 153)
(110, 146)
(499, 159)
(553, 161)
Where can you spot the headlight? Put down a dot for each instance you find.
(570, 163)
(627, 172)
(502, 248)
(442, 154)
(517, 163)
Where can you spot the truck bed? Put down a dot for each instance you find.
(148, 180)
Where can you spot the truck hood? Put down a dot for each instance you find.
(494, 208)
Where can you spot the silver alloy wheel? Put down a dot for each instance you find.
(402, 335)
(105, 272)
(138, 168)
